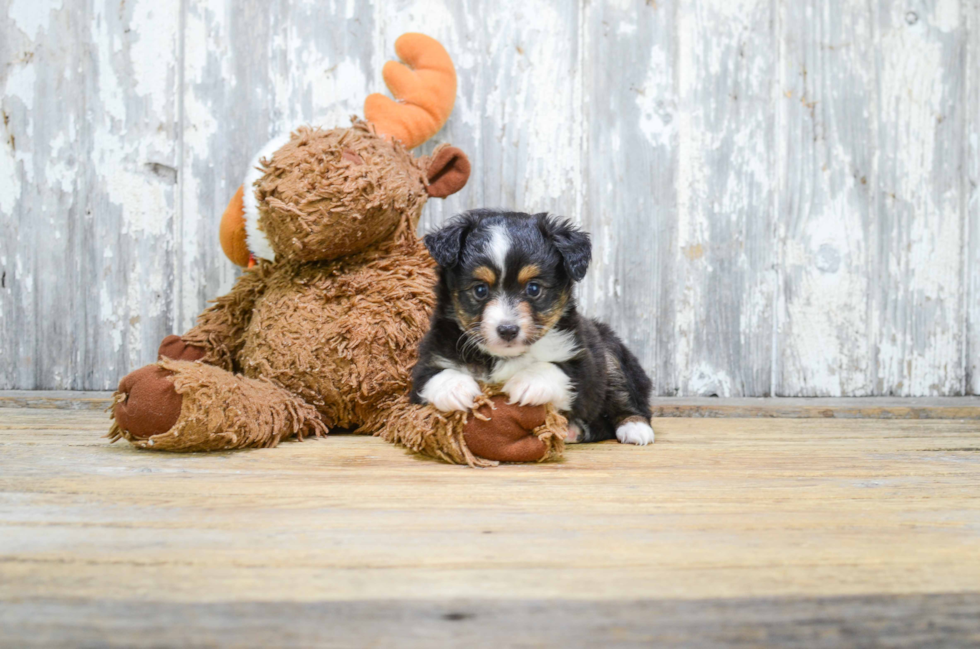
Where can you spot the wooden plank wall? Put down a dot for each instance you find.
(783, 194)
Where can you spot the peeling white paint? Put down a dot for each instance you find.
(775, 192)
(110, 95)
(151, 81)
(335, 102)
(924, 271)
(946, 15)
(32, 16)
(10, 186)
(657, 114)
(21, 79)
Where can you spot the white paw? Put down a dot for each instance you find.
(574, 433)
(451, 390)
(539, 384)
(635, 432)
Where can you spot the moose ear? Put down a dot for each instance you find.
(446, 243)
(572, 244)
(447, 171)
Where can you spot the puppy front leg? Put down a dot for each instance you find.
(450, 390)
(538, 384)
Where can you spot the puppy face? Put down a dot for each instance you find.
(509, 275)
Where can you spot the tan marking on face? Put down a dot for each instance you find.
(464, 320)
(548, 319)
(525, 319)
(485, 274)
(528, 273)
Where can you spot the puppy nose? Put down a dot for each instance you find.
(508, 331)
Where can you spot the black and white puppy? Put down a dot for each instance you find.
(506, 315)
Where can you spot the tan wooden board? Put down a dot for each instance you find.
(716, 508)
(55, 399)
(745, 531)
(829, 407)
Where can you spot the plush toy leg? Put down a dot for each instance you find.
(494, 432)
(185, 406)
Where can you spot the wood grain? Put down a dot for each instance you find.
(88, 189)
(725, 286)
(253, 70)
(828, 222)
(813, 531)
(971, 194)
(903, 621)
(783, 194)
(630, 201)
(828, 407)
(778, 407)
(716, 508)
(918, 301)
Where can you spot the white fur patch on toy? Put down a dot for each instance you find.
(258, 243)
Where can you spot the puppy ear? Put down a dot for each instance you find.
(446, 243)
(572, 244)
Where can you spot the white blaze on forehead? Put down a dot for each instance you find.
(497, 249)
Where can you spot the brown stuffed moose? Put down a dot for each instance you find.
(321, 331)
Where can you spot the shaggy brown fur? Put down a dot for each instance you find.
(493, 427)
(222, 411)
(315, 202)
(326, 336)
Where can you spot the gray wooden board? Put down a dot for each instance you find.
(971, 195)
(942, 619)
(827, 225)
(735, 531)
(778, 407)
(783, 195)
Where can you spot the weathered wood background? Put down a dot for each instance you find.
(783, 193)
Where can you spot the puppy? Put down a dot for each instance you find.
(505, 314)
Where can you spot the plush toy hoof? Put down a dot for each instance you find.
(150, 405)
(174, 348)
(507, 436)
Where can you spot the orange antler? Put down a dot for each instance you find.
(425, 90)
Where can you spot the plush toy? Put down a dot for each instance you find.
(321, 331)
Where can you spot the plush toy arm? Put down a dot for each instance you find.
(221, 327)
(188, 406)
(494, 432)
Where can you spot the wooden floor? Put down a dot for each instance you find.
(750, 531)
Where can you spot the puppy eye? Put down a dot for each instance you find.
(481, 291)
(533, 289)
